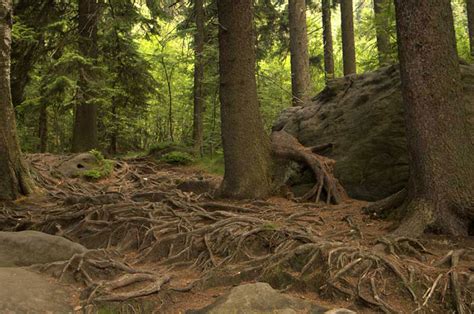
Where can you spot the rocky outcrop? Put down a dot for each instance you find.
(27, 248)
(261, 298)
(362, 118)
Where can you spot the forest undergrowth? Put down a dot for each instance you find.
(153, 243)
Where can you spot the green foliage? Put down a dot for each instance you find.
(142, 79)
(212, 164)
(103, 168)
(177, 158)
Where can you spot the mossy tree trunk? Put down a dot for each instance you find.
(348, 41)
(246, 147)
(198, 121)
(300, 73)
(327, 38)
(14, 176)
(441, 188)
(381, 8)
(85, 129)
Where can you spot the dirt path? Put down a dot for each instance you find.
(156, 247)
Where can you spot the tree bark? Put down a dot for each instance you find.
(43, 128)
(470, 24)
(300, 74)
(327, 38)
(441, 150)
(246, 147)
(85, 131)
(14, 176)
(381, 28)
(348, 42)
(198, 123)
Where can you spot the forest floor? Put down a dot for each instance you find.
(157, 246)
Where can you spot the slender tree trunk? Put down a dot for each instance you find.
(348, 42)
(440, 147)
(14, 176)
(85, 130)
(198, 123)
(114, 133)
(327, 38)
(381, 28)
(43, 128)
(470, 24)
(246, 147)
(300, 74)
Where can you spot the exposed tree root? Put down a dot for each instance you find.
(229, 243)
(287, 147)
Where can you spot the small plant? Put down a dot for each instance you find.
(178, 158)
(103, 169)
(97, 154)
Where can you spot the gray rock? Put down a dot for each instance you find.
(77, 164)
(260, 298)
(27, 248)
(24, 291)
(363, 117)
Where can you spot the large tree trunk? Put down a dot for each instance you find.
(246, 147)
(470, 23)
(14, 177)
(327, 37)
(198, 125)
(441, 189)
(348, 42)
(85, 132)
(300, 75)
(382, 28)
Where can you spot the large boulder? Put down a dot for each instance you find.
(261, 298)
(363, 118)
(27, 248)
(24, 291)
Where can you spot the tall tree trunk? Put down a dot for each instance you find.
(43, 128)
(198, 122)
(348, 42)
(300, 75)
(246, 147)
(470, 24)
(327, 38)
(381, 28)
(85, 131)
(114, 132)
(441, 150)
(14, 176)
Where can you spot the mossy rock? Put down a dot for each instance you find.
(91, 166)
(363, 117)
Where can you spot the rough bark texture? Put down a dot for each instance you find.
(470, 23)
(327, 38)
(85, 123)
(198, 123)
(246, 147)
(381, 28)
(441, 188)
(14, 176)
(300, 74)
(348, 42)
